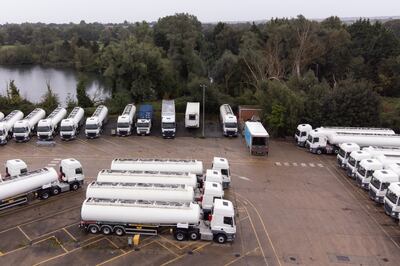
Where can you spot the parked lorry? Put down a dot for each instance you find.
(126, 120)
(228, 121)
(1, 116)
(192, 115)
(367, 153)
(381, 180)
(144, 119)
(47, 128)
(42, 183)
(95, 124)
(24, 129)
(320, 141)
(302, 131)
(149, 217)
(168, 122)
(256, 138)
(71, 126)
(391, 202)
(15, 167)
(7, 125)
(345, 149)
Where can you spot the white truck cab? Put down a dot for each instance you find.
(391, 200)
(380, 181)
(365, 170)
(125, 121)
(213, 175)
(223, 220)
(354, 160)
(95, 123)
(15, 167)
(222, 164)
(71, 174)
(316, 141)
(228, 121)
(301, 134)
(344, 153)
(212, 191)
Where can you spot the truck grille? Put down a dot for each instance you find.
(66, 136)
(91, 135)
(123, 132)
(231, 133)
(19, 138)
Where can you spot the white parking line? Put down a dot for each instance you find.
(244, 178)
(320, 165)
(311, 165)
(294, 164)
(51, 164)
(286, 164)
(278, 164)
(303, 165)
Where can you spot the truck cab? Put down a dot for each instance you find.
(380, 181)
(168, 126)
(68, 130)
(354, 160)
(345, 149)
(71, 175)
(143, 126)
(22, 131)
(222, 223)
(124, 125)
(316, 142)
(93, 127)
(211, 191)
(391, 201)
(301, 134)
(45, 129)
(228, 121)
(213, 175)
(365, 170)
(15, 167)
(222, 165)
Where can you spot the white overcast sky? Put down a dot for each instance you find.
(60, 11)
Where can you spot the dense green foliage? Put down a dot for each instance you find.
(298, 70)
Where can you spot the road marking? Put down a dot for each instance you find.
(57, 159)
(174, 259)
(116, 246)
(244, 178)
(311, 165)
(54, 161)
(51, 164)
(320, 165)
(24, 233)
(286, 164)
(162, 245)
(58, 242)
(294, 164)
(278, 164)
(303, 165)
(70, 235)
(241, 257)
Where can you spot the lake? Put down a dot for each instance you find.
(31, 82)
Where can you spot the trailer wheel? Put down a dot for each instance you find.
(106, 230)
(44, 195)
(220, 238)
(74, 186)
(194, 235)
(319, 151)
(55, 190)
(94, 229)
(180, 235)
(119, 231)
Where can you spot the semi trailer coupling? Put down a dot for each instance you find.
(192, 115)
(24, 129)
(7, 125)
(228, 121)
(149, 217)
(71, 126)
(168, 123)
(125, 121)
(144, 119)
(47, 128)
(95, 123)
(41, 183)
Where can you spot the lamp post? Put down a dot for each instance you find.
(204, 105)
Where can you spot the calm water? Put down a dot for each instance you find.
(31, 82)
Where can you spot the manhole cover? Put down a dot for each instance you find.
(343, 258)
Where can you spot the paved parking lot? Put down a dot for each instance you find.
(292, 208)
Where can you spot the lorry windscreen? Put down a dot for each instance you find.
(391, 196)
(259, 141)
(43, 129)
(168, 125)
(2, 132)
(67, 128)
(91, 126)
(20, 129)
(123, 125)
(230, 125)
(375, 182)
(298, 132)
(352, 161)
(342, 153)
(361, 170)
(142, 125)
(192, 117)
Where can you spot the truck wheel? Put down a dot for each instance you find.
(106, 230)
(180, 235)
(55, 190)
(74, 186)
(94, 229)
(319, 151)
(220, 238)
(119, 231)
(194, 235)
(44, 195)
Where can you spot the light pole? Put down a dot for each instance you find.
(204, 105)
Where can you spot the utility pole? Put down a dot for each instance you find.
(204, 105)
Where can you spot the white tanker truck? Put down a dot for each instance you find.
(47, 128)
(42, 183)
(95, 124)
(149, 217)
(24, 129)
(7, 125)
(15, 167)
(71, 126)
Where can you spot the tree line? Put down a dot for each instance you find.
(297, 70)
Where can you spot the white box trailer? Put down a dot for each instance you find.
(192, 115)
(380, 181)
(42, 183)
(228, 121)
(24, 129)
(149, 177)
(71, 126)
(148, 217)
(125, 121)
(256, 138)
(47, 128)
(95, 123)
(7, 125)
(303, 130)
(391, 202)
(168, 122)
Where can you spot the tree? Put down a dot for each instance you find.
(13, 93)
(50, 100)
(83, 99)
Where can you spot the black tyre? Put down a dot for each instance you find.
(319, 151)
(44, 195)
(94, 229)
(74, 186)
(220, 238)
(180, 235)
(119, 231)
(106, 230)
(194, 235)
(55, 190)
